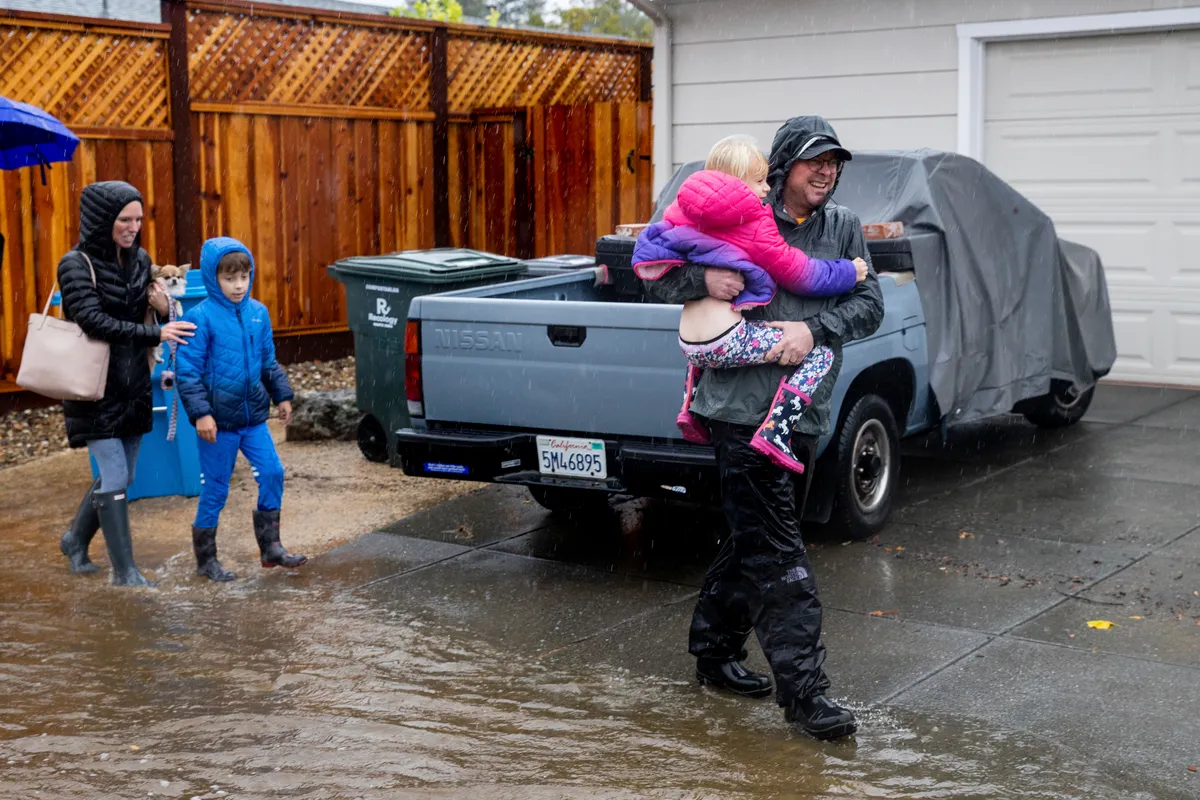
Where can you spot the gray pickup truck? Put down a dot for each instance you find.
(569, 384)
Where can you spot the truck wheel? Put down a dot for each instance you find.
(372, 439)
(868, 463)
(569, 502)
(1063, 406)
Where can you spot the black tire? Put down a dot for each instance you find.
(372, 439)
(1063, 406)
(868, 467)
(576, 503)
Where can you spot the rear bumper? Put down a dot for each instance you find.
(642, 468)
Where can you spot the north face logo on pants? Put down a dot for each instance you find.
(795, 574)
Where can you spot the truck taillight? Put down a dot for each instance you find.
(413, 390)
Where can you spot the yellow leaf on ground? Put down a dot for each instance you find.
(966, 535)
(1100, 624)
(1135, 617)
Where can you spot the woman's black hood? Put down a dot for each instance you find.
(99, 207)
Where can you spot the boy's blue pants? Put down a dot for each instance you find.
(216, 468)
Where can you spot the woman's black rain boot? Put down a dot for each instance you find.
(75, 542)
(112, 508)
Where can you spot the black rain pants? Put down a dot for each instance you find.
(762, 579)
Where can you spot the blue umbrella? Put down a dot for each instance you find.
(31, 137)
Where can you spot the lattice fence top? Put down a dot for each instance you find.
(242, 58)
(86, 78)
(490, 73)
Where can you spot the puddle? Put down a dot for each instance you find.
(287, 686)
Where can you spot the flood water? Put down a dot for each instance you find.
(299, 685)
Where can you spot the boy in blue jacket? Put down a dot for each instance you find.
(228, 377)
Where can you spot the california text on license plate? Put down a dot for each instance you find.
(577, 458)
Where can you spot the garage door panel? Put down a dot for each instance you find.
(1134, 329)
(1188, 161)
(1189, 86)
(1130, 249)
(1103, 133)
(1184, 252)
(1157, 343)
(1025, 154)
(1156, 254)
(1027, 79)
(1160, 152)
(1185, 337)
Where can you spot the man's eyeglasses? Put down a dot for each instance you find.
(824, 163)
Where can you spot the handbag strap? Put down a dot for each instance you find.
(54, 288)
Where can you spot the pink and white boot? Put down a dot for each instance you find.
(774, 437)
(689, 424)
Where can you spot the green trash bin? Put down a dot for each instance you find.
(379, 290)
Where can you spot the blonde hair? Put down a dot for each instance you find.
(738, 156)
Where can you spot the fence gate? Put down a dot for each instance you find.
(547, 180)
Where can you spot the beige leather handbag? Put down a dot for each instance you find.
(59, 361)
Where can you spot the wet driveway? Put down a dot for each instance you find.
(483, 648)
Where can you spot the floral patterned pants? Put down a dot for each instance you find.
(748, 344)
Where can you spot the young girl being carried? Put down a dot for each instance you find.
(718, 220)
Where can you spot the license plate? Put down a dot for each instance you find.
(576, 458)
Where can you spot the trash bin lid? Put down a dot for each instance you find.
(436, 266)
(562, 261)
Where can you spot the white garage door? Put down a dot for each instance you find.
(1103, 133)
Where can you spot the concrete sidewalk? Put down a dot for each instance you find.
(973, 605)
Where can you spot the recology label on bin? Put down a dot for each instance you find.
(381, 316)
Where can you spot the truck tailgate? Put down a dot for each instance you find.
(552, 365)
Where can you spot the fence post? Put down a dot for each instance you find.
(439, 90)
(523, 211)
(183, 165)
(646, 76)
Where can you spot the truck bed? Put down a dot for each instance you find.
(556, 355)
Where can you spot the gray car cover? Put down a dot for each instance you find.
(1008, 305)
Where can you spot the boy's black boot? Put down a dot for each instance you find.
(820, 717)
(75, 542)
(204, 545)
(266, 531)
(112, 508)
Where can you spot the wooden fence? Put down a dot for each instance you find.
(313, 136)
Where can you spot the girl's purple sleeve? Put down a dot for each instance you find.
(829, 277)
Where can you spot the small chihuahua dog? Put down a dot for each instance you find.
(173, 280)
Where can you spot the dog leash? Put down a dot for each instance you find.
(168, 378)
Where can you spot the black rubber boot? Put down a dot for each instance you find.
(112, 508)
(732, 677)
(266, 531)
(75, 542)
(821, 718)
(204, 545)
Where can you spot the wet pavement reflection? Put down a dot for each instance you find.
(342, 682)
(484, 648)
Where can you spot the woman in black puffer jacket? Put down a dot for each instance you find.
(106, 290)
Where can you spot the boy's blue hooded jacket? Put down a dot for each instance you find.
(228, 369)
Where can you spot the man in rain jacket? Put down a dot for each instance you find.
(762, 579)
